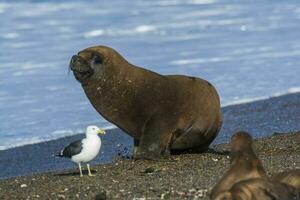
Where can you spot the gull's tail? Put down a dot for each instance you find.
(60, 154)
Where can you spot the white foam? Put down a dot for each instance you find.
(279, 54)
(40, 9)
(243, 28)
(176, 2)
(237, 101)
(64, 133)
(10, 35)
(24, 26)
(120, 32)
(53, 136)
(200, 60)
(38, 110)
(94, 33)
(144, 28)
(243, 101)
(53, 88)
(161, 3)
(27, 101)
(3, 7)
(294, 90)
(17, 74)
(21, 142)
(52, 22)
(65, 29)
(203, 23)
(203, 13)
(31, 65)
(18, 45)
(23, 73)
(201, 1)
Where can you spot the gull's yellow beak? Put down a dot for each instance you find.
(101, 131)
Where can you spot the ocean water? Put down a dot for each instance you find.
(248, 49)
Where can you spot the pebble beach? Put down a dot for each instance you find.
(186, 176)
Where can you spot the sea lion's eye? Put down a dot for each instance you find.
(97, 59)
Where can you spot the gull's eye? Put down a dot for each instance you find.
(97, 59)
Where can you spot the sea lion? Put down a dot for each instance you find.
(160, 112)
(291, 177)
(244, 164)
(259, 189)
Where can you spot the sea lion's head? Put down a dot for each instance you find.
(91, 62)
(241, 143)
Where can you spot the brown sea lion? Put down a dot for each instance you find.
(160, 112)
(259, 189)
(291, 177)
(244, 164)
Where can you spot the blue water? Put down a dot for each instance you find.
(248, 49)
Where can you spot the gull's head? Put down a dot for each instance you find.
(94, 130)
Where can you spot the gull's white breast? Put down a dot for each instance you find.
(90, 149)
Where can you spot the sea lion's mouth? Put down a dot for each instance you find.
(81, 68)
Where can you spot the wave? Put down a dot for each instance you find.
(18, 142)
(292, 90)
(176, 2)
(112, 32)
(64, 133)
(200, 60)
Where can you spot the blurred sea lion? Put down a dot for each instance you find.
(244, 164)
(291, 178)
(259, 189)
(161, 113)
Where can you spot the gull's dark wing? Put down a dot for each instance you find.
(72, 149)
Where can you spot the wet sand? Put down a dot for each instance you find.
(187, 176)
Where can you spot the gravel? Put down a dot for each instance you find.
(186, 176)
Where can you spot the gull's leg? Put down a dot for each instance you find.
(89, 170)
(79, 165)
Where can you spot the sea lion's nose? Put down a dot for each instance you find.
(74, 60)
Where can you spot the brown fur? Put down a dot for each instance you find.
(258, 189)
(291, 178)
(159, 112)
(245, 164)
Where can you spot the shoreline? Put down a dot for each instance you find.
(186, 176)
(238, 103)
(260, 118)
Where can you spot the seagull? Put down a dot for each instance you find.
(84, 150)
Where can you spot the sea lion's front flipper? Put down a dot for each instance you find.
(155, 140)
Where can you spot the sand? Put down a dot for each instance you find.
(187, 176)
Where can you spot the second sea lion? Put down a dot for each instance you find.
(244, 164)
(258, 189)
(291, 178)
